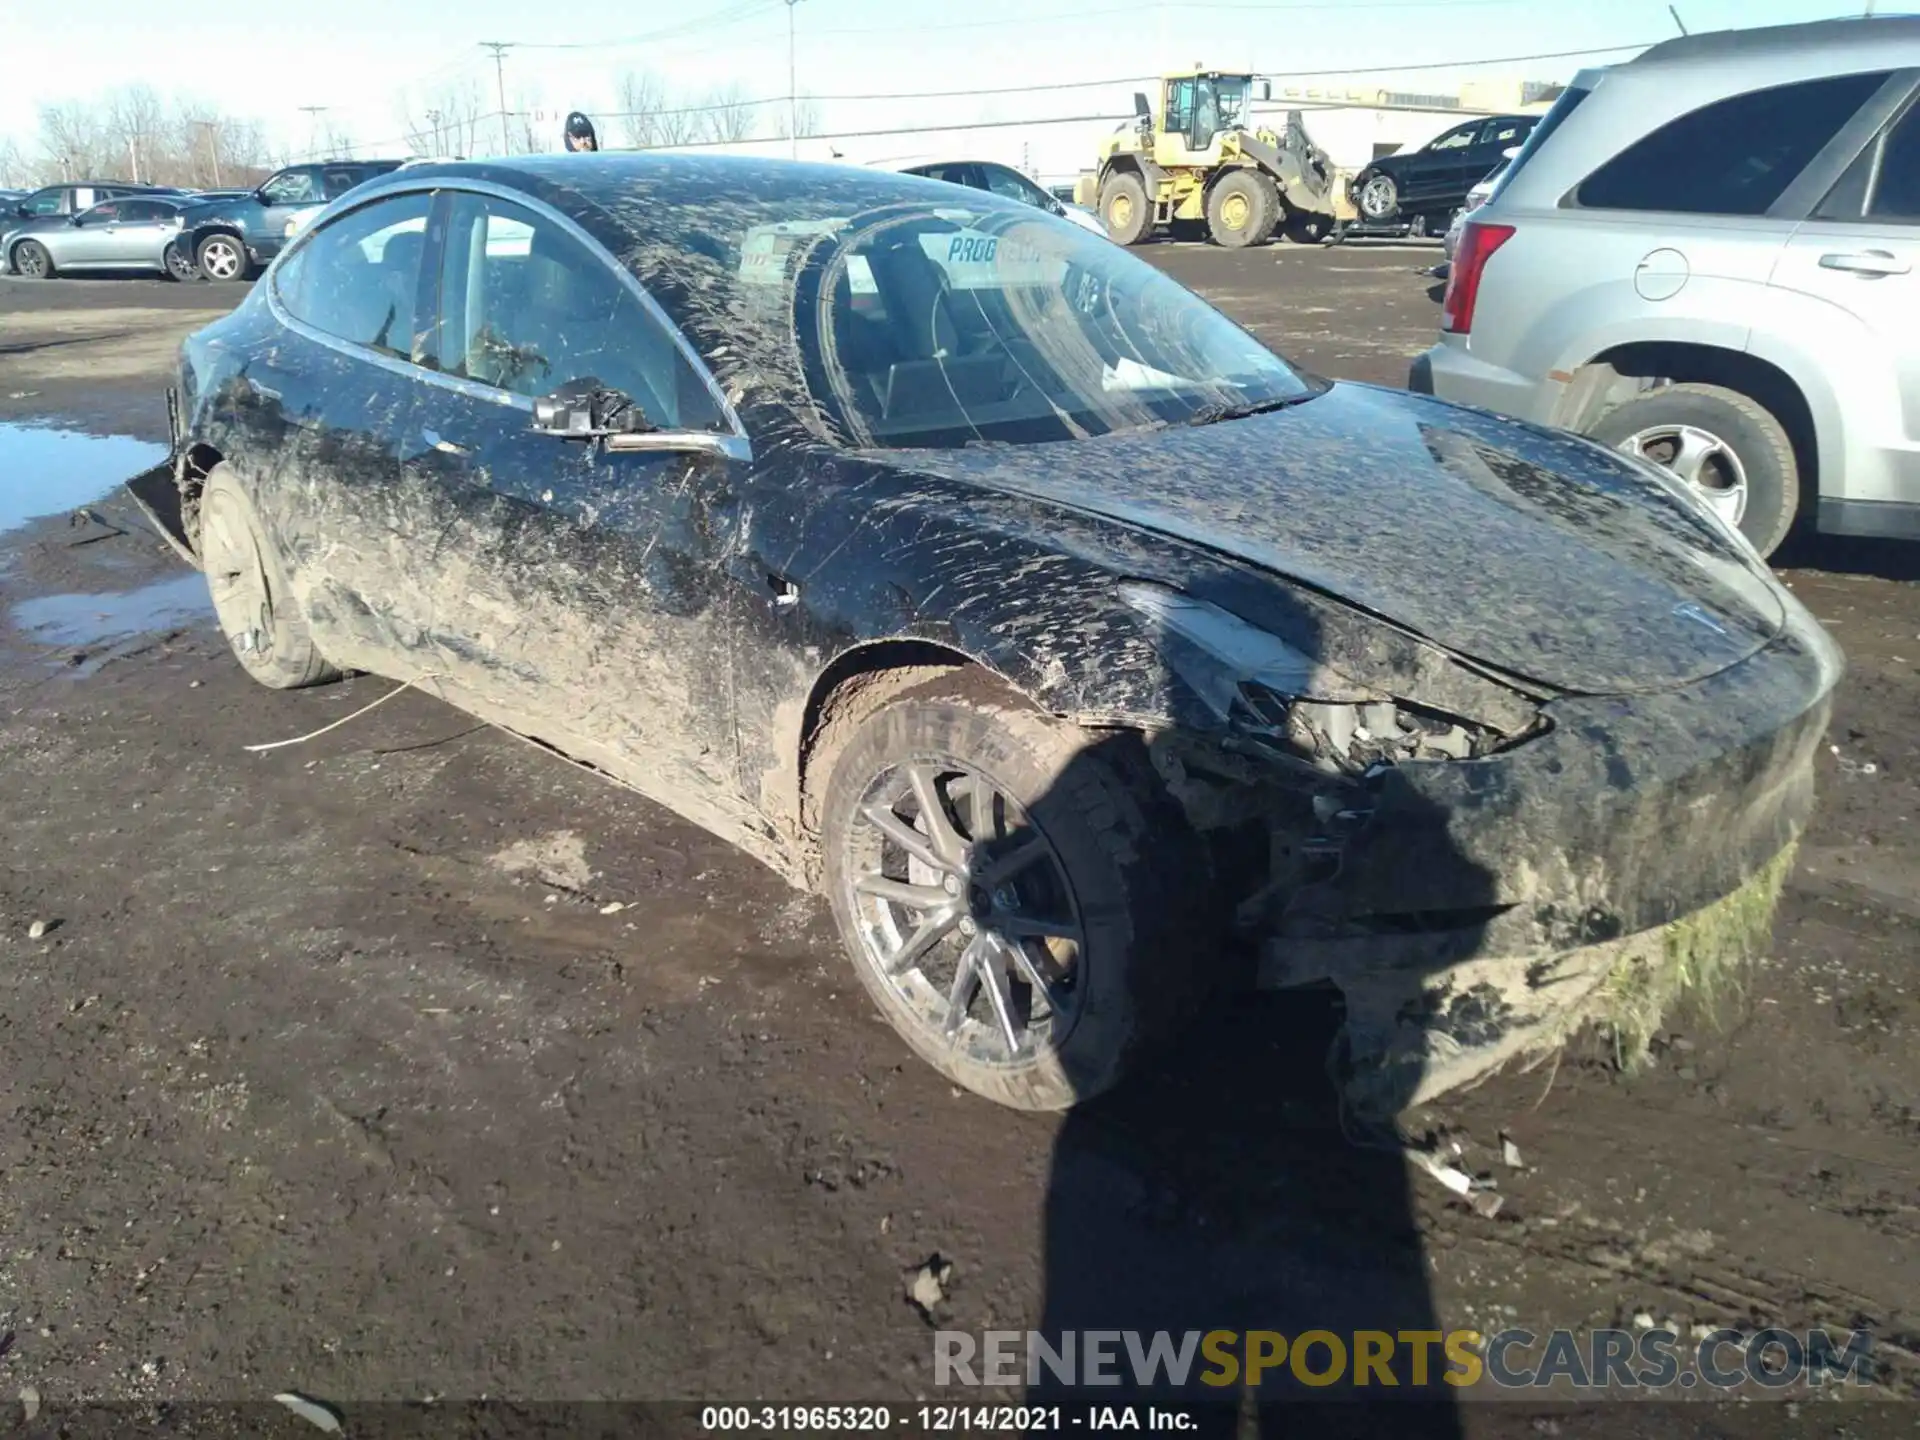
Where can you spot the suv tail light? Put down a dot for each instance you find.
(1478, 241)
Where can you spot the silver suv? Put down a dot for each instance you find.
(1707, 256)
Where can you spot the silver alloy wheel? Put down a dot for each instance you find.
(221, 258)
(178, 266)
(236, 578)
(30, 261)
(1377, 197)
(1699, 457)
(965, 912)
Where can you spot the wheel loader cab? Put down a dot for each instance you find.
(1195, 109)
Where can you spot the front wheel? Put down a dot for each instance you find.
(1379, 198)
(1728, 447)
(251, 597)
(1242, 209)
(31, 260)
(1016, 897)
(222, 257)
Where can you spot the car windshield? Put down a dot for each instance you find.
(941, 325)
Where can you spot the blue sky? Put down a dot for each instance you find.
(361, 57)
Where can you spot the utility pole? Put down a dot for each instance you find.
(433, 119)
(212, 127)
(499, 49)
(133, 155)
(314, 112)
(793, 90)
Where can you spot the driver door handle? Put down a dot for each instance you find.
(1865, 262)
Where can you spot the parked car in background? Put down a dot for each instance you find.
(228, 239)
(1709, 257)
(1476, 197)
(73, 197)
(968, 569)
(131, 232)
(1422, 188)
(998, 179)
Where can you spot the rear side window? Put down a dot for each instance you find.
(1734, 157)
(358, 278)
(1883, 183)
(1568, 102)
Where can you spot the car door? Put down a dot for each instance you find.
(1489, 149)
(320, 408)
(89, 239)
(1858, 256)
(1440, 170)
(139, 231)
(288, 197)
(586, 593)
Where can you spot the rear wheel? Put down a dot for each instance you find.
(1242, 208)
(1125, 209)
(258, 614)
(222, 257)
(1378, 199)
(178, 267)
(1017, 900)
(1727, 446)
(31, 260)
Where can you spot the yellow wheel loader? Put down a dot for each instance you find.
(1201, 166)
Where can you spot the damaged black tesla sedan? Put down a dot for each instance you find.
(1087, 655)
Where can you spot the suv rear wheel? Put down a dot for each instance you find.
(1731, 449)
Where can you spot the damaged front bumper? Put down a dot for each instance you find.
(1470, 911)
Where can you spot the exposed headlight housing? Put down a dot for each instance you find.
(1286, 701)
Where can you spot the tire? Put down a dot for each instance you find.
(1114, 864)
(1125, 209)
(1718, 436)
(1242, 208)
(1307, 227)
(175, 264)
(1377, 198)
(223, 257)
(258, 613)
(31, 261)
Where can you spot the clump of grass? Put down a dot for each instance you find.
(1698, 965)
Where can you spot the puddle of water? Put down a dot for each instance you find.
(50, 472)
(94, 619)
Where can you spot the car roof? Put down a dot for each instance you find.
(1631, 100)
(1851, 43)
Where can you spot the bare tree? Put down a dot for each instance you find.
(651, 117)
(75, 140)
(446, 120)
(135, 117)
(725, 115)
(806, 118)
(185, 143)
(13, 166)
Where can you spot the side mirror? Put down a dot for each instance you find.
(1509, 152)
(1141, 109)
(1266, 89)
(74, 220)
(585, 410)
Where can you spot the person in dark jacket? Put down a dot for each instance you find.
(580, 134)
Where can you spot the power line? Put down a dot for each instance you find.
(1107, 12)
(685, 28)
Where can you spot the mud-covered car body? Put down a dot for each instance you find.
(1432, 689)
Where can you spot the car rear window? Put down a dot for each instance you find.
(1568, 102)
(1733, 157)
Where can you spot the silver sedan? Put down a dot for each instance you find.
(128, 233)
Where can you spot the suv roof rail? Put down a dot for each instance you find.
(1841, 33)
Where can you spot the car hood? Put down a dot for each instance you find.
(1533, 551)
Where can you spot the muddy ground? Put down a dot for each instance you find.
(339, 1070)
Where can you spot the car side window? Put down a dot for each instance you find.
(1505, 133)
(143, 211)
(338, 182)
(1015, 186)
(357, 278)
(48, 204)
(1882, 185)
(527, 307)
(951, 174)
(291, 187)
(1734, 157)
(1456, 139)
